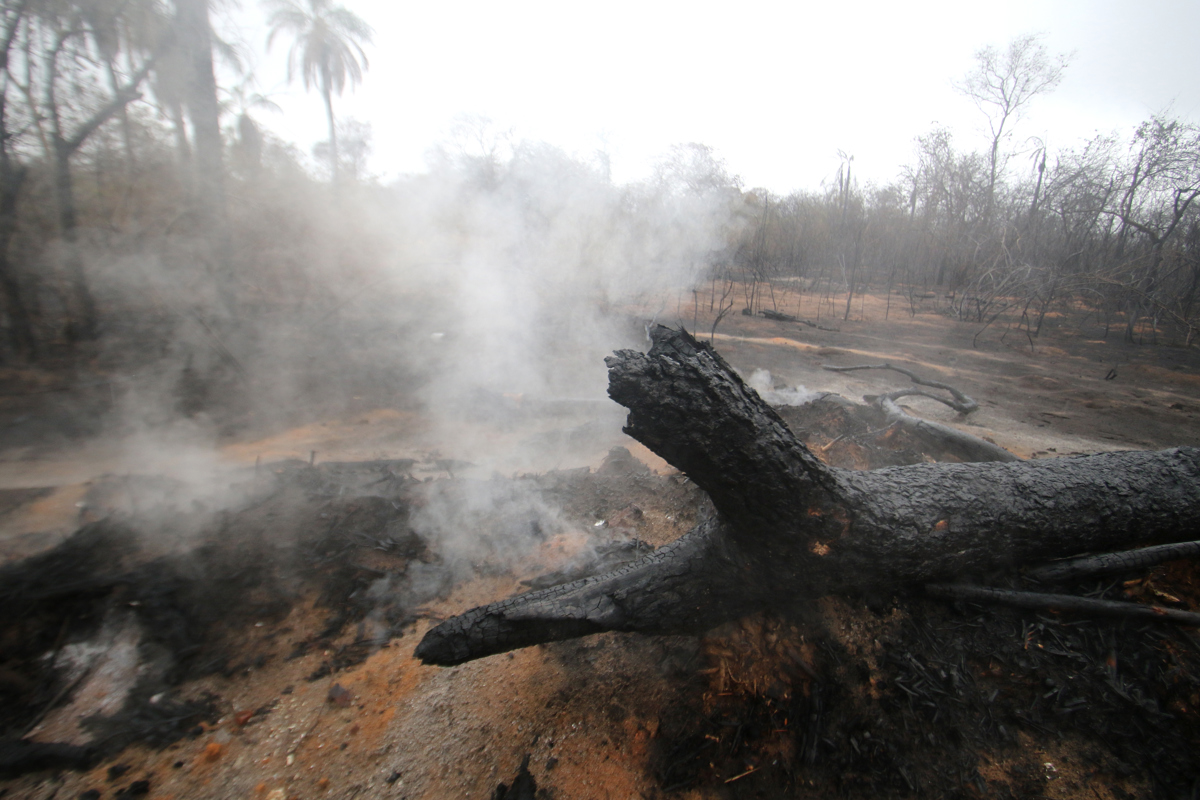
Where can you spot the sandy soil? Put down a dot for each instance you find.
(591, 714)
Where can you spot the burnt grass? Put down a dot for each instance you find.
(911, 697)
(860, 697)
(193, 606)
(779, 706)
(336, 536)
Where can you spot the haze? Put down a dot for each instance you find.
(777, 89)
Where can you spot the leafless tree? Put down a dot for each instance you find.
(1161, 182)
(1002, 86)
(59, 76)
(12, 178)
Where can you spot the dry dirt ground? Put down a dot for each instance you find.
(293, 676)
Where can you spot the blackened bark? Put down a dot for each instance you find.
(1063, 602)
(682, 587)
(1113, 563)
(792, 527)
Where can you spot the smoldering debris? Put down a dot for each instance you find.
(867, 697)
(106, 627)
(778, 393)
(858, 436)
(105, 634)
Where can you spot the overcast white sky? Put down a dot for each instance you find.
(776, 88)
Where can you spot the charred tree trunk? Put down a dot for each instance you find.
(790, 526)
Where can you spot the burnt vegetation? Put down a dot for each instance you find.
(195, 609)
(787, 528)
(1104, 236)
(156, 242)
(882, 693)
(314, 561)
(916, 699)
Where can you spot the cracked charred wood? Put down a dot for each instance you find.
(681, 587)
(788, 526)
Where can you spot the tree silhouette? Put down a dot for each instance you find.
(326, 49)
(1003, 84)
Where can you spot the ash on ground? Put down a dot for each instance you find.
(267, 652)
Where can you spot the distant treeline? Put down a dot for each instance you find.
(1110, 229)
(139, 198)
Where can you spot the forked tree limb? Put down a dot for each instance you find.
(941, 437)
(961, 403)
(791, 527)
(678, 588)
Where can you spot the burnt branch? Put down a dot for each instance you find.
(682, 587)
(941, 437)
(1042, 601)
(961, 403)
(790, 528)
(1113, 563)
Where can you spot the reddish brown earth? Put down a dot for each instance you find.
(857, 697)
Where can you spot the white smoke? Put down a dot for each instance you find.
(761, 381)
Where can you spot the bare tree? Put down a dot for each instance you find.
(1003, 84)
(12, 176)
(66, 106)
(1162, 182)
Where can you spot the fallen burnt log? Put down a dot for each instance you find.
(790, 527)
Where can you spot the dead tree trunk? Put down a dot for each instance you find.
(788, 526)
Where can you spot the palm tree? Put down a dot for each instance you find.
(326, 49)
